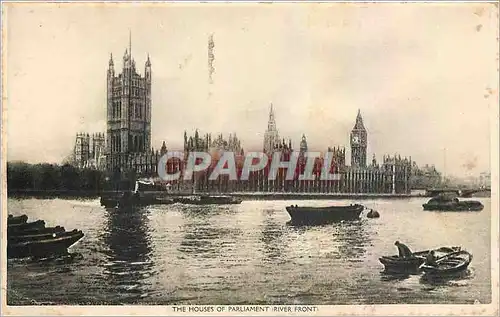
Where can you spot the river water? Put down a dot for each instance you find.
(246, 254)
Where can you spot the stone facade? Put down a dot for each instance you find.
(89, 151)
(359, 142)
(271, 136)
(425, 177)
(128, 135)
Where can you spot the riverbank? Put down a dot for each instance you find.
(42, 194)
(242, 195)
(318, 196)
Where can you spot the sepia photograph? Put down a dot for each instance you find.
(250, 158)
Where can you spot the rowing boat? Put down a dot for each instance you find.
(395, 263)
(452, 263)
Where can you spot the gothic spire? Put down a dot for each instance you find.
(271, 122)
(111, 60)
(359, 122)
(130, 42)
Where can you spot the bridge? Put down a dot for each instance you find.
(431, 192)
(469, 192)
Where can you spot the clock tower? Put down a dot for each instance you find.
(358, 143)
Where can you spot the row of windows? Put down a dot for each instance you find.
(136, 143)
(137, 109)
(117, 109)
(136, 92)
(116, 144)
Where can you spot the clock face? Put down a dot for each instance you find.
(355, 139)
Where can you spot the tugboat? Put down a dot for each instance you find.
(137, 197)
(446, 203)
(323, 215)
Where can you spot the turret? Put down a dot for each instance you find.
(163, 149)
(358, 143)
(147, 70)
(111, 68)
(303, 144)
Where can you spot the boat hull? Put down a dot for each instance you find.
(11, 220)
(13, 228)
(323, 215)
(395, 264)
(452, 265)
(45, 247)
(35, 231)
(39, 236)
(460, 206)
(134, 201)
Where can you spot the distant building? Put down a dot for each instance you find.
(392, 176)
(425, 177)
(208, 144)
(338, 160)
(359, 143)
(89, 151)
(485, 180)
(271, 136)
(128, 135)
(303, 144)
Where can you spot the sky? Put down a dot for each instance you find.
(424, 76)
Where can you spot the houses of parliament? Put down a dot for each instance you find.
(126, 147)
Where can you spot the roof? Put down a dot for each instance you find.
(359, 122)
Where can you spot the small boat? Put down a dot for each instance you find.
(44, 247)
(24, 226)
(402, 265)
(373, 214)
(208, 200)
(36, 231)
(134, 199)
(323, 215)
(16, 219)
(446, 203)
(394, 263)
(38, 236)
(449, 264)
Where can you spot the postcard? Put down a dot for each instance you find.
(253, 159)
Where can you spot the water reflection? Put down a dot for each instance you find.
(352, 239)
(129, 248)
(204, 211)
(346, 241)
(451, 279)
(272, 240)
(206, 240)
(390, 276)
